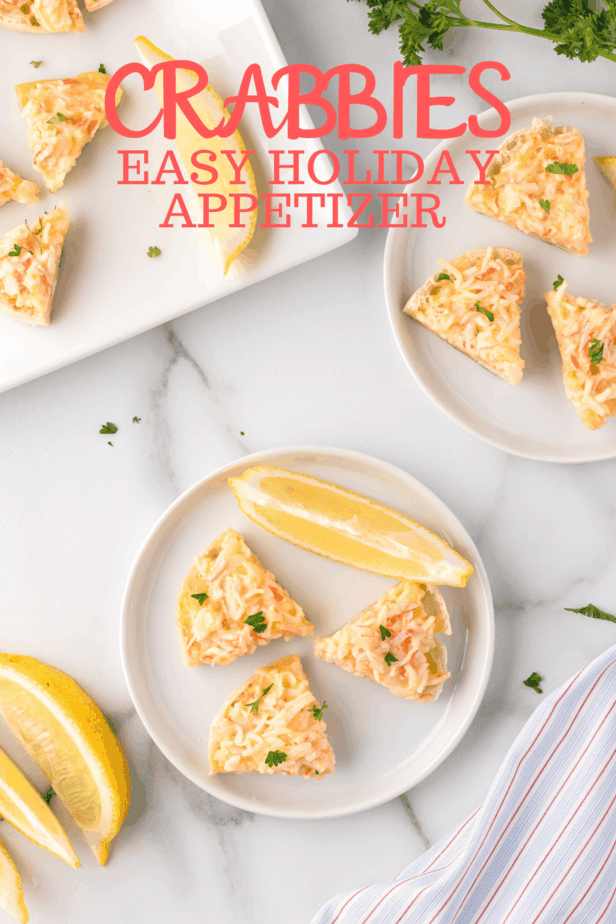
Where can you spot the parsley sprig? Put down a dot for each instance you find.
(593, 611)
(254, 707)
(562, 169)
(48, 795)
(595, 351)
(257, 622)
(200, 598)
(576, 30)
(275, 757)
(533, 682)
(385, 633)
(443, 277)
(317, 710)
(389, 659)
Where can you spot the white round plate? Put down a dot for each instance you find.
(532, 419)
(383, 745)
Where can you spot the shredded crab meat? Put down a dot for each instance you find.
(237, 587)
(13, 187)
(578, 323)
(412, 613)
(481, 278)
(240, 738)
(518, 181)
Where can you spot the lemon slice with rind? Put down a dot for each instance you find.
(336, 523)
(24, 808)
(228, 242)
(69, 738)
(11, 892)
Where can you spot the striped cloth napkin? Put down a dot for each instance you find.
(542, 847)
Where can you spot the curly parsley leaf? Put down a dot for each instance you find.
(48, 796)
(317, 710)
(275, 757)
(593, 611)
(136, 419)
(101, 69)
(545, 205)
(533, 682)
(442, 277)
(257, 622)
(558, 282)
(108, 428)
(561, 169)
(154, 252)
(385, 633)
(254, 707)
(595, 351)
(201, 598)
(489, 314)
(389, 659)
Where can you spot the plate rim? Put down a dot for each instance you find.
(393, 308)
(341, 810)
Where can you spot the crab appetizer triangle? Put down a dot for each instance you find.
(41, 16)
(474, 304)
(536, 183)
(586, 335)
(272, 724)
(392, 642)
(229, 604)
(29, 265)
(13, 187)
(62, 116)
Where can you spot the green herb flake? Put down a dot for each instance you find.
(201, 598)
(558, 282)
(443, 277)
(48, 796)
(275, 757)
(489, 314)
(59, 117)
(254, 707)
(33, 21)
(154, 252)
(101, 69)
(545, 205)
(533, 682)
(593, 611)
(108, 428)
(36, 63)
(385, 633)
(15, 252)
(136, 419)
(257, 622)
(317, 710)
(389, 659)
(562, 169)
(595, 351)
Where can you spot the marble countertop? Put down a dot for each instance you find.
(207, 391)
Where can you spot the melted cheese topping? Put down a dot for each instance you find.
(28, 278)
(41, 15)
(237, 586)
(13, 187)
(412, 613)
(578, 322)
(56, 142)
(240, 738)
(449, 309)
(518, 180)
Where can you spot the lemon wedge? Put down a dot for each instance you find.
(607, 166)
(346, 527)
(11, 892)
(227, 242)
(24, 808)
(67, 735)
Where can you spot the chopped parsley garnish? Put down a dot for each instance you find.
(275, 757)
(385, 633)
(24, 8)
(533, 682)
(136, 419)
(36, 63)
(317, 710)
(593, 611)
(257, 622)
(563, 169)
(489, 314)
(242, 433)
(201, 598)
(15, 252)
(389, 659)
(442, 277)
(595, 351)
(545, 205)
(101, 69)
(59, 117)
(47, 796)
(108, 428)
(558, 282)
(254, 707)
(154, 252)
